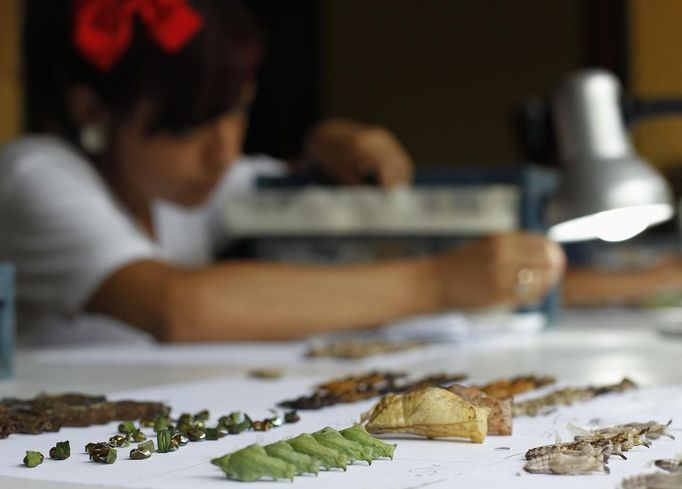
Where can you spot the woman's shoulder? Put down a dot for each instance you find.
(46, 159)
(38, 148)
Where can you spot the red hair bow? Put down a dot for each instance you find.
(103, 29)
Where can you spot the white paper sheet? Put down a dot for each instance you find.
(436, 463)
(432, 329)
(440, 331)
(240, 356)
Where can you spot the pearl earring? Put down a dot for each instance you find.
(93, 139)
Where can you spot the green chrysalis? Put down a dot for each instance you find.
(126, 427)
(331, 438)
(163, 441)
(147, 445)
(305, 464)
(358, 434)
(329, 458)
(252, 463)
(161, 423)
(61, 451)
(33, 459)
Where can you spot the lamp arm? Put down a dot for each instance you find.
(636, 109)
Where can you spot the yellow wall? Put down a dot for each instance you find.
(656, 71)
(11, 104)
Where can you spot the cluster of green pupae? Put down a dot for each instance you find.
(169, 436)
(305, 454)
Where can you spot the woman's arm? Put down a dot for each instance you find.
(594, 287)
(261, 300)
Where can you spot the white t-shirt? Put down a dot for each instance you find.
(66, 233)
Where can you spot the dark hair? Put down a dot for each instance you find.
(187, 89)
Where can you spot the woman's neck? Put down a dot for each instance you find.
(139, 208)
(134, 201)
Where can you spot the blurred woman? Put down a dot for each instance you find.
(144, 104)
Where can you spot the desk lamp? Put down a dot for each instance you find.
(607, 190)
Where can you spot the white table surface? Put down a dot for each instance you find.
(587, 347)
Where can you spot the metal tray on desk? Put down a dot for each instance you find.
(307, 219)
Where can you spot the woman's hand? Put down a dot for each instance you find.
(356, 154)
(506, 270)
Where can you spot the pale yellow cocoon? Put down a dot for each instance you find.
(433, 412)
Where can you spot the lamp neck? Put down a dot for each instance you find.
(588, 118)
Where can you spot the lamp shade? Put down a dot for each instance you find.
(607, 190)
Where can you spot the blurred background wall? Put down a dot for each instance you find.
(11, 93)
(654, 44)
(444, 75)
